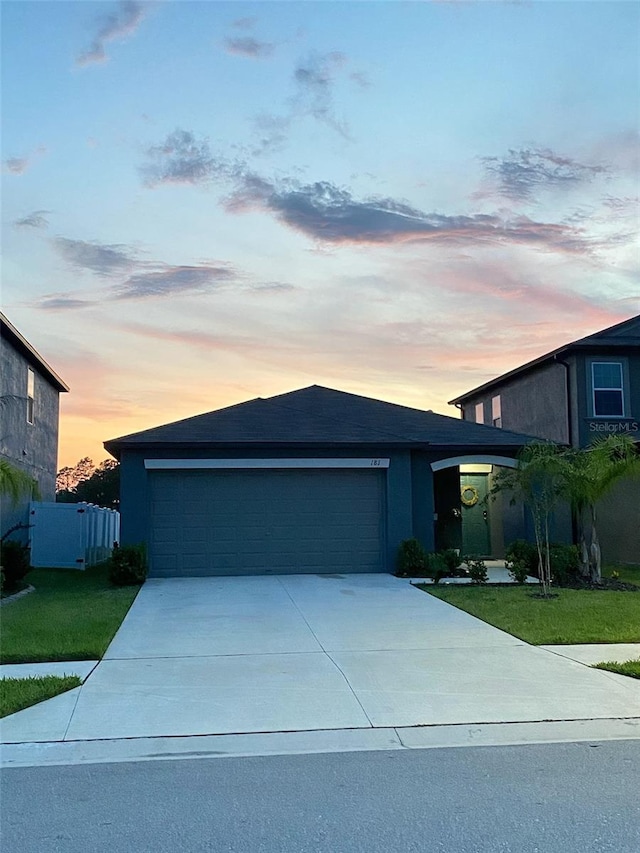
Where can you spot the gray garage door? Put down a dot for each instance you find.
(266, 522)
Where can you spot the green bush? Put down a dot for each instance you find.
(565, 563)
(525, 554)
(451, 559)
(477, 570)
(518, 572)
(16, 564)
(128, 565)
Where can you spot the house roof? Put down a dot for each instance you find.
(22, 345)
(320, 416)
(623, 335)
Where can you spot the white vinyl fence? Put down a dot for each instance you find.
(71, 536)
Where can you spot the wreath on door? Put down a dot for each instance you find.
(469, 495)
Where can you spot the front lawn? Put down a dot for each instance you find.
(72, 615)
(575, 616)
(19, 693)
(630, 667)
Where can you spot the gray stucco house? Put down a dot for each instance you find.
(29, 407)
(312, 481)
(584, 389)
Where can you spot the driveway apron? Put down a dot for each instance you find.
(306, 652)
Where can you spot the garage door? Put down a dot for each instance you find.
(266, 522)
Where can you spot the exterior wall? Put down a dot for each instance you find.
(30, 447)
(534, 404)
(134, 494)
(618, 520)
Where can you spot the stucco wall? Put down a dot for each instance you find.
(31, 447)
(618, 518)
(533, 403)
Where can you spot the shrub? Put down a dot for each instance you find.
(412, 559)
(477, 570)
(128, 565)
(439, 574)
(565, 563)
(525, 554)
(451, 559)
(518, 572)
(16, 564)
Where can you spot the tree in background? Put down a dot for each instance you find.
(68, 478)
(100, 486)
(591, 474)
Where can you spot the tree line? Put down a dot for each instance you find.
(92, 484)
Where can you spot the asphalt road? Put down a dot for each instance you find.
(569, 798)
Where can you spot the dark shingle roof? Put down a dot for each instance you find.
(623, 335)
(320, 416)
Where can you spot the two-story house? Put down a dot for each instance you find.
(586, 388)
(29, 411)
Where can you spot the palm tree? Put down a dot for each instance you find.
(538, 480)
(591, 474)
(16, 483)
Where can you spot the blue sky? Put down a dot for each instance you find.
(207, 202)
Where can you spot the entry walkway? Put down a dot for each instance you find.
(215, 656)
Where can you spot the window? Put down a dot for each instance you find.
(496, 411)
(608, 393)
(479, 413)
(31, 390)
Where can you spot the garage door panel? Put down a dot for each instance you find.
(254, 522)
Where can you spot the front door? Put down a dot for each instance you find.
(476, 538)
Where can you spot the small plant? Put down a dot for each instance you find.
(565, 563)
(412, 560)
(518, 572)
(451, 559)
(477, 570)
(16, 564)
(524, 553)
(128, 565)
(615, 575)
(439, 574)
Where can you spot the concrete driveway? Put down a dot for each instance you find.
(307, 652)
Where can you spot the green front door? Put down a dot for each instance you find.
(476, 537)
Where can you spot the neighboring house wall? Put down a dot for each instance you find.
(32, 447)
(619, 523)
(535, 403)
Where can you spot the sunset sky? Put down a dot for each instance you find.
(206, 202)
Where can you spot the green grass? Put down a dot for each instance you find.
(630, 667)
(19, 693)
(72, 615)
(575, 616)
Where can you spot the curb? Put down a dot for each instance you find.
(16, 595)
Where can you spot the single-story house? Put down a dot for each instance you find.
(312, 481)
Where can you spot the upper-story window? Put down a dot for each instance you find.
(608, 389)
(31, 393)
(479, 413)
(496, 411)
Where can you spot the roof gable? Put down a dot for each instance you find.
(319, 416)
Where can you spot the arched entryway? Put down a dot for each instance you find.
(465, 519)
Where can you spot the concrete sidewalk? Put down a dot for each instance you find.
(217, 656)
